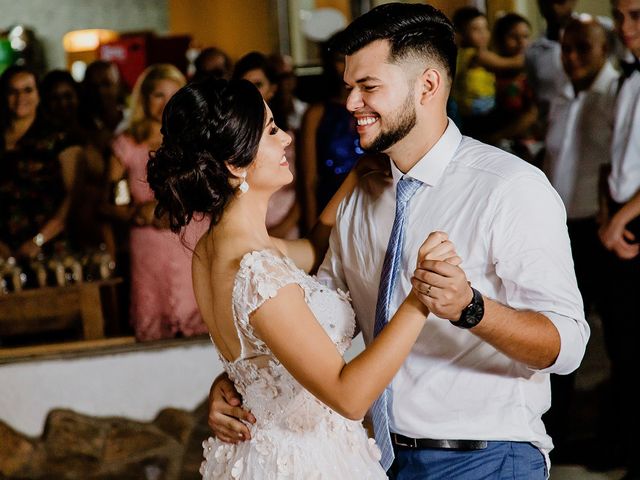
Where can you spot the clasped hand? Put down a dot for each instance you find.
(438, 281)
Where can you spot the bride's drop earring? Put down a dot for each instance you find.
(244, 186)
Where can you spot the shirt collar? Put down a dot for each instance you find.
(430, 167)
(627, 56)
(604, 78)
(545, 43)
(601, 83)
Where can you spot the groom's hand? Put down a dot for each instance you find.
(226, 412)
(438, 281)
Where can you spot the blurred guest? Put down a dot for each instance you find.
(544, 67)
(283, 214)
(212, 62)
(330, 145)
(162, 299)
(620, 233)
(103, 102)
(285, 98)
(255, 67)
(474, 87)
(38, 169)
(515, 109)
(61, 100)
(60, 106)
(578, 144)
(102, 114)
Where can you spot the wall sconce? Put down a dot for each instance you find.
(81, 47)
(87, 40)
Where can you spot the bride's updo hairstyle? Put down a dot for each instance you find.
(205, 126)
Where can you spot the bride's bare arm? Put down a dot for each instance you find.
(224, 400)
(288, 327)
(307, 253)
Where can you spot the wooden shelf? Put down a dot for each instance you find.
(53, 308)
(85, 348)
(57, 349)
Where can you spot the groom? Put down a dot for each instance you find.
(468, 401)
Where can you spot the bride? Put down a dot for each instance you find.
(279, 333)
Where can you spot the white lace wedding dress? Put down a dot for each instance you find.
(295, 435)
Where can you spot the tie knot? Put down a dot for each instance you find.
(406, 188)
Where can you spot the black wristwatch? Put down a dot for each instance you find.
(473, 313)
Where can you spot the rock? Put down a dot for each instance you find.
(68, 434)
(132, 440)
(17, 452)
(79, 447)
(176, 423)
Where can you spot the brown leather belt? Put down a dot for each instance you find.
(423, 443)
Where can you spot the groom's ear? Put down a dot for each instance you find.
(430, 83)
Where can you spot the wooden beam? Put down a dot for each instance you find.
(12, 354)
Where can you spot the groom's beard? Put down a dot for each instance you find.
(403, 121)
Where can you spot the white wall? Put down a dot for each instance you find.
(51, 19)
(595, 7)
(135, 385)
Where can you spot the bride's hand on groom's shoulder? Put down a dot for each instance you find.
(226, 415)
(439, 281)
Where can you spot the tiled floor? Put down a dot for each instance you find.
(576, 472)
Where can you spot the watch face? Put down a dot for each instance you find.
(474, 312)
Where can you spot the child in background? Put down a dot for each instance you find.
(474, 88)
(515, 111)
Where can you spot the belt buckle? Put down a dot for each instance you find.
(400, 443)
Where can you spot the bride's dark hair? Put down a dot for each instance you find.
(205, 126)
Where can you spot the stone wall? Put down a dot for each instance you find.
(75, 446)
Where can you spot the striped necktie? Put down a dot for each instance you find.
(404, 191)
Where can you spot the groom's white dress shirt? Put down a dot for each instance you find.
(508, 225)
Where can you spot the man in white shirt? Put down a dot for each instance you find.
(620, 234)
(542, 58)
(578, 144)
(468, 401)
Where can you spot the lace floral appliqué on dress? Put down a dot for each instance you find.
(295, 435)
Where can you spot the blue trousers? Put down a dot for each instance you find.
(499, 461)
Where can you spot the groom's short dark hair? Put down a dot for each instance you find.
(411, 29)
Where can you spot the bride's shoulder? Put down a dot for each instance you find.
(267, 260)
(260, 276)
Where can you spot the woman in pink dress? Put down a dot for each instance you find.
(162, 299)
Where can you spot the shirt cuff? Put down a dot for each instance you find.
(574, 334)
